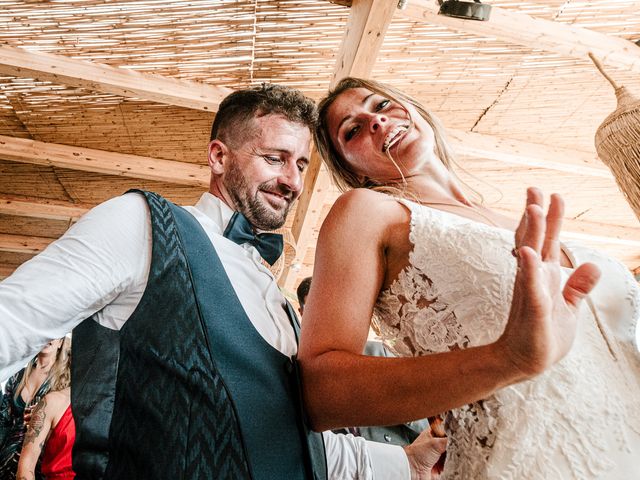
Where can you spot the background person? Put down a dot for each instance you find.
(25, 389)
(51, 433)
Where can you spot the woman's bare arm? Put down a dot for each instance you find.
(343, 387)
(36, 436)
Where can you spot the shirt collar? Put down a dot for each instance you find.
(215, 209)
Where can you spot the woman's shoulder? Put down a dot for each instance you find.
(366, 214)
(365, 200)
(57, 397)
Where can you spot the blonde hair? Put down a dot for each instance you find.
(342, 174)
(60, 374)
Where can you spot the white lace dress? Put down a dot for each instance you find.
(581, 418)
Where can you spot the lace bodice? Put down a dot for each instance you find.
(571, 422)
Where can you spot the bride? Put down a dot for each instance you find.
(407, 247)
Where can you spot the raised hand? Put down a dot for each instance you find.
(543, 320)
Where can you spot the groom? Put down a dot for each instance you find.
(185, 365)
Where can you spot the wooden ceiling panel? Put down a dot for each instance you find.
(92, 188)
(565, 113)
(79, 118)
(31, 180)
(591, 199)
(473, 82)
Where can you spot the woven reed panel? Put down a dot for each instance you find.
(31, 180)
(230, 43)
(587, 198)
(455, 76)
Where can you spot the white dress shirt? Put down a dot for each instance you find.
(100, 266)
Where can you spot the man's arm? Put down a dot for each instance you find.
(354, 458)
(95, 261)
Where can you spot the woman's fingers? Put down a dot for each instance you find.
(534, 197)
(534, 233)
(580, 283)
(551, 245)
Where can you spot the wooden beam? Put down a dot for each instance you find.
(39, 208)
(477, 145)
(22, 243)
(366, 27)
(536, 33)
(6, 270)
(104, 78)
(100, 161)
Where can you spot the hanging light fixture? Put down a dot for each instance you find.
(468, 10)
(618, 141)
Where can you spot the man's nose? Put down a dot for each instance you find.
(292, 178)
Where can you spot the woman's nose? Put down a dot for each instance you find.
(376, 121)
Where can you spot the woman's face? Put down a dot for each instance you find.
(363, 125)
(52, 346)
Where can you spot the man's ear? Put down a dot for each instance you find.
(217, 156)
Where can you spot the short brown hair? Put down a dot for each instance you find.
(239, 108)
(303, 290)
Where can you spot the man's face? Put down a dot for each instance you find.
(263, 175)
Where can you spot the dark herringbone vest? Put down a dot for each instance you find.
(188, 389)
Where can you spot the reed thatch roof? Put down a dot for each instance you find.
(100, 96)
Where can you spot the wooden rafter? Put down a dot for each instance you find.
(39, 208)
(522, 29)
(101, 161)
(23, 243)
(6, 270)
(104, 78)
(366, 27)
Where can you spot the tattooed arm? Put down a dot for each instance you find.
(37, 432)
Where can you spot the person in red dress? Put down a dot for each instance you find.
(51, 428)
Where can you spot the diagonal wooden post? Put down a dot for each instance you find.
(366, 27)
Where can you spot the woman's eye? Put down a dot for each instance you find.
(382, 104)
(351, 133)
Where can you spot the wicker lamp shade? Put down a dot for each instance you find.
(617, 142)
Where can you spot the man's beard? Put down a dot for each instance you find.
(259, 215)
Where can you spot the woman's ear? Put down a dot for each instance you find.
(217, 156)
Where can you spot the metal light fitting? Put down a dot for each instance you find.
(468, 10)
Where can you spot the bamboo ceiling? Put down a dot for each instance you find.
(518, 93)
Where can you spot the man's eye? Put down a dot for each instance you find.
(382, 104)
(302, 167)
(272, 160)
(351, 133)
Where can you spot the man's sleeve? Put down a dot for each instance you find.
(77, 275)
(354, 458)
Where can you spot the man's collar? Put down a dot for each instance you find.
(214, 208)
